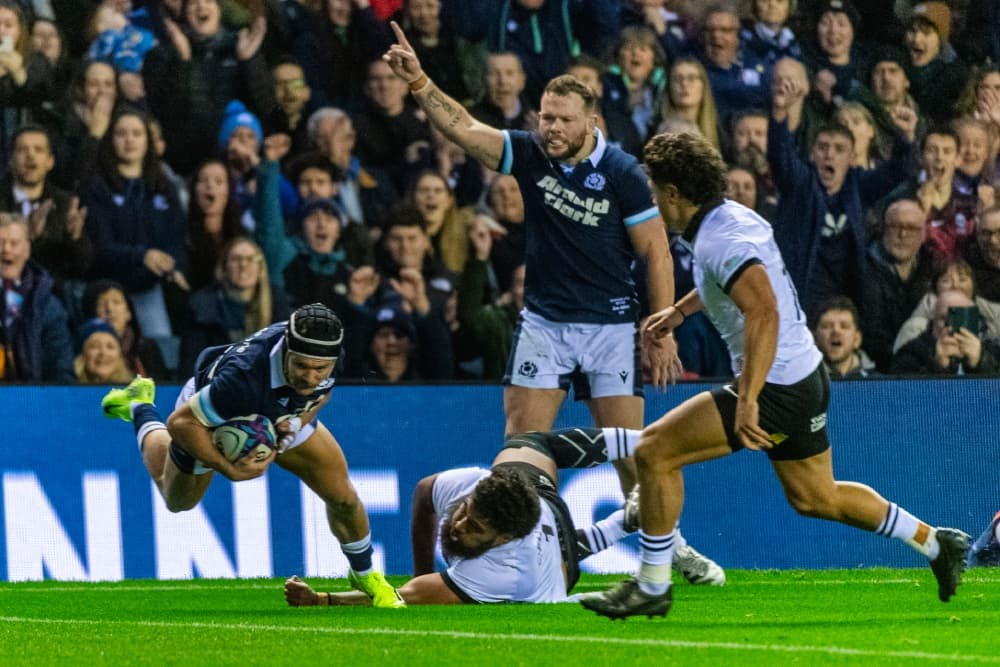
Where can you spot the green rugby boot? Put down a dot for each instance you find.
(375, 586)
(117, 402)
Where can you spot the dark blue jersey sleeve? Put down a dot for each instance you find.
(636, 200)
(519, 151)
(226, 396)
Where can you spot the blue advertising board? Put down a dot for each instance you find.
(77, 504)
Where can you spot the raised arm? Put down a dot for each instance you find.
(481, 141)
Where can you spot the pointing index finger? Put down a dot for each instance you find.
(400, 36)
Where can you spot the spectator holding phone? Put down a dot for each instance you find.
(957, 275)
(951, 344)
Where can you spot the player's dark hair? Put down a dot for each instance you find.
(566, 84)
(508, 502)
(688, 162)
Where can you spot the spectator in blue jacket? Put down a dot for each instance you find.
(669, 19)
(35, 342)
(767, 35)
(636, 84)
(737, 78)
(135, 222)
(819, 225)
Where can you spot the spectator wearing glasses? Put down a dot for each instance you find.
(738, 81)
(984, 254)
(897, 274)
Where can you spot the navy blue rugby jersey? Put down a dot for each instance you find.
(248, 378)
(579, 255)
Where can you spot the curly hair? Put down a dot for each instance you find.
(688, 162)
(508, 502)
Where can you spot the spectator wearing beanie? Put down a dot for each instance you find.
(239, 142)
(108, 301)
(889, 79)
(937, 74)
(99, 358)
(318, 271)
(401, 347)
(236, 116)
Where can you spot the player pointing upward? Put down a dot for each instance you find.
(777, 403)
(588, 214)
(283, 372)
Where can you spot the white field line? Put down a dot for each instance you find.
(85, 587)
(480, 636)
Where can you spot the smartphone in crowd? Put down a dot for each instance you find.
(964, 317)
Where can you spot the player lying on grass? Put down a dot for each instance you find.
(283, 372)
(505, 533)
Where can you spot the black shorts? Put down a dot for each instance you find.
(182, 459)
(794, 415)
(548, 493)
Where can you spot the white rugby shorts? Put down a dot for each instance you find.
(598, 360)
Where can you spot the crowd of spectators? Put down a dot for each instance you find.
(181, 173)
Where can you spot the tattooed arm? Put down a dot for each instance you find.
(483, 142)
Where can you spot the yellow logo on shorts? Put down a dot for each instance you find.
(777, 438)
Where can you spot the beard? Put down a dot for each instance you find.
(453, 548)
(572, 148)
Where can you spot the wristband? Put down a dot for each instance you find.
(421, 82)
(683, 316)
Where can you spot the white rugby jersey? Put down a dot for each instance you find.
(524, 570)
(728, 238)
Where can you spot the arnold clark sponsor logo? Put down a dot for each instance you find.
(571, 205)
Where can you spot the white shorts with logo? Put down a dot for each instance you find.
(193, 466)
(597, 360)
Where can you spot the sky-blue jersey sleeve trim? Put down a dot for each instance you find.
(642, 216)
(203, 409)
(507, 159)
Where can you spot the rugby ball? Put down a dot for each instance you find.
(252, 435)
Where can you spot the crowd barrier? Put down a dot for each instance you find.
(77, 504)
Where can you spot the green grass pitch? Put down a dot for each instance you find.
(828, 617)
